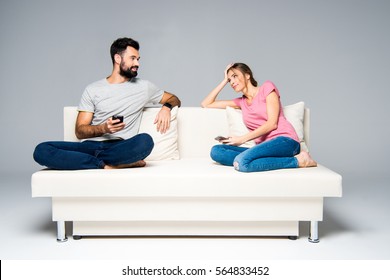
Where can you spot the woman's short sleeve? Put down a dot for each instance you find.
(237, 101)
(268, 87)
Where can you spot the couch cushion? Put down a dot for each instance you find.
(165, 145)
(197, 128)
(187, 177)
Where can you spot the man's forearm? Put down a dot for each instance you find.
(174, 101)
(89, 131)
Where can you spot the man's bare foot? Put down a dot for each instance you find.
(140, 163)
(305, 160)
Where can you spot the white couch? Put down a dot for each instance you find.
(190, 196)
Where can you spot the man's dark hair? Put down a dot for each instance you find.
(120, 45)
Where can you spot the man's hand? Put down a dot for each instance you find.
(112, 126)
(163, 119)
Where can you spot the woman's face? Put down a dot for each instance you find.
(237, 80)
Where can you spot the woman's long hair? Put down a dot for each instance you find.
(244, 69)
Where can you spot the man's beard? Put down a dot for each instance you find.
(128, 73)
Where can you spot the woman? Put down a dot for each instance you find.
(277, 144)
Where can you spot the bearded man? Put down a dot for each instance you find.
(109, 141)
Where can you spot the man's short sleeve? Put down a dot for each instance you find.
(155, 94)
(86, 103)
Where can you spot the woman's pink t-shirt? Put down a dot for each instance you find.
(255, 114)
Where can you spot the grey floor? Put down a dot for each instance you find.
(355, 227)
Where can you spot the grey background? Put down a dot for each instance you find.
(333, 55)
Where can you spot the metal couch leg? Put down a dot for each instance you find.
(61, 234)
(313, 237)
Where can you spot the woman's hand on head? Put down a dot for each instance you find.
(226, 71)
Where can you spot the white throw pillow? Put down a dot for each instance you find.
(294, 114)
(165, 145)
(237, 126)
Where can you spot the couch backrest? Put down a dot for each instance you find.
(197, 127)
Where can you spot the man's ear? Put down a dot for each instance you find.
(117, 58)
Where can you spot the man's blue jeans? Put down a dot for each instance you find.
(273, 154)
(64, 155)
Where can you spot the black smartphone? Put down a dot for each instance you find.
(117, 117)
(221, 138)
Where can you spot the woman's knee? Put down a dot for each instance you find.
(239, 164)
(216, 153)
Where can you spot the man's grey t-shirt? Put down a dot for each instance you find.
(127, 99)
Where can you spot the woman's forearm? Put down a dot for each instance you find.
(260, 131)
(210, 98)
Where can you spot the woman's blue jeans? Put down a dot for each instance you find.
(64, 155)
(273, 154)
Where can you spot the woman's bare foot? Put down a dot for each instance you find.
(140, 163)
(305, 160)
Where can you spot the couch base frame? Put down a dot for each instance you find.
(186, 216)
